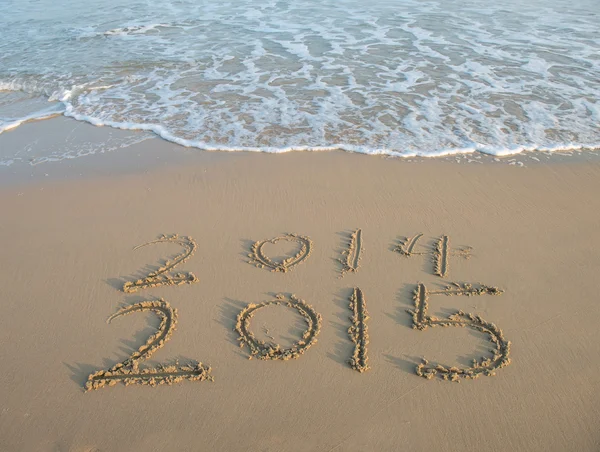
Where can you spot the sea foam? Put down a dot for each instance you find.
(424, 79)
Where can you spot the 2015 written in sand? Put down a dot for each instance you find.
(129, 371)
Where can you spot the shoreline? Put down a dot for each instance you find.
(68, 244)
(109, 151)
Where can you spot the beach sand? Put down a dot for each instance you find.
(67, 250)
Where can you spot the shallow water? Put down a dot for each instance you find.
(399, 78)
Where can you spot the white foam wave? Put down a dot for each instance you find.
(8, 124)
(135, 30)
(162, 132)
(28, 110)
(433, 78)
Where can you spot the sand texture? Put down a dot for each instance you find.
(129, 372)
(352, 255)
(498, 352)
(261, 260)
(359, 331)
(162, 277)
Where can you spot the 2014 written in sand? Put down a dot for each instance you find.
(129, 371)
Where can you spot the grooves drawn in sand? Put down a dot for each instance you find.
(407, 246)
(261, 260)
(421, 321)
(260, 349)
(351, 261)
(441, 252)
(128, 371)
(162, 277)
(441, 256)
(358, 331)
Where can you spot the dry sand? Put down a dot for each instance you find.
(67, 251)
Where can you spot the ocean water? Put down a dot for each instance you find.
(394, 77)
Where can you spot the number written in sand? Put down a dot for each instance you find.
(128, 372)
(163, 276)
(421, 321)
(358, 331)
(441, 252)
(352, 256)
(262, 350)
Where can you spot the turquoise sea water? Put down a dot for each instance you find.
(401, 78)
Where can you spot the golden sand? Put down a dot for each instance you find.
(129, 372)
(358, 331)
(353, 254)
(262, 350)
(162, 276)
(261, 260)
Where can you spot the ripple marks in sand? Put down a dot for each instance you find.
(358, 331)
(352, 256)
(162, 276)
(421, 321)
(128, 372)
(260, 349)
(261, 260)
